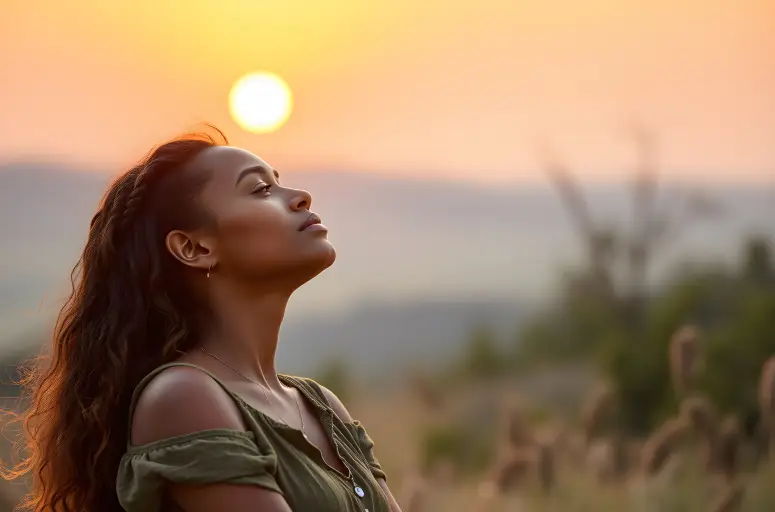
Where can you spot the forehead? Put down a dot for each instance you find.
(226, 162)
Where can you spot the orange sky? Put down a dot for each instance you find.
(435, 88)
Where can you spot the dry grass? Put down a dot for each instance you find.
(695, 462)
(687, 491)
(566, 460)
(544, 481)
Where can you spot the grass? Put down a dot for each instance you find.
(398, 421)
(396, 424)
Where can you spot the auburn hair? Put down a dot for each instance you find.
(130, 310)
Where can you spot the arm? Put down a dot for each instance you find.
(344, 415)
(391, 500)
(180, 401)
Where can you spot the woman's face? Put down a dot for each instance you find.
(263, 231)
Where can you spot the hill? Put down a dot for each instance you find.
(417, 260)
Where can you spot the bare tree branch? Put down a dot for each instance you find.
(598, 243)
(640, 247)
(569, 191)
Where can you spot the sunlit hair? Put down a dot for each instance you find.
(130, 311)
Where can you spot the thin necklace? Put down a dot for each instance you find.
(356, 488)
(263, 388)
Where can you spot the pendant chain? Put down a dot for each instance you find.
(263, 388)
(358, 490)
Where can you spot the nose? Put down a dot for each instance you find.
(300, 200)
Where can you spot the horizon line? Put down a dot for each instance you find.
(415, 174)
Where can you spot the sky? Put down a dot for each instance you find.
(464, 90)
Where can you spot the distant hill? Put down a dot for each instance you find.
(417, 259)
(378, 336)
(374, 338)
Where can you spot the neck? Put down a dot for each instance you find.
(245, 334)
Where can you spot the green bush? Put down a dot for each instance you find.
(483, 357)
(734, 309)
(470, 451)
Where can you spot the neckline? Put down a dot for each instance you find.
(289, 381)
(324, 415)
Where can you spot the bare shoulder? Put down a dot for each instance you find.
(181, 400)
(336, 404)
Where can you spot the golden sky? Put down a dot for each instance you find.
(462, 89)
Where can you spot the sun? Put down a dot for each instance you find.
(260, 102)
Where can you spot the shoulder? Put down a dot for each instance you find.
(328, 397)
(181, 400)
(336, 405)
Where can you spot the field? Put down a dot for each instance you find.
(538, 460)
(529, 432)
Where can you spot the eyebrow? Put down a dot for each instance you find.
(256, 169)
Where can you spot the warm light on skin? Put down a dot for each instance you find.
(260, 102)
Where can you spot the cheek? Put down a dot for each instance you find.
(254, 236)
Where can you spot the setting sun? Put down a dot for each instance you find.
(260, 102)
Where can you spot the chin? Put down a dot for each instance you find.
(327, 255)
(318, 261)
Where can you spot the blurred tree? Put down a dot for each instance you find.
(742, 343)
(608, 312)
(571, 329)
(628, 334)
(619, 259)
(483, 358)
(737, 314)
(758, 266)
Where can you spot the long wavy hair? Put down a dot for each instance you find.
(130, 311)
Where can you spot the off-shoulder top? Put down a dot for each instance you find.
(268, 454)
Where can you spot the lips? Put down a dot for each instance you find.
(311, 220)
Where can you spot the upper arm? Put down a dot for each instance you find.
(341, 411)
(181, 401)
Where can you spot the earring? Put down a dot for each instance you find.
(208, 271)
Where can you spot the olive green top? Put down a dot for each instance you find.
(268, 454)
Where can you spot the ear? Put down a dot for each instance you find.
(191, 250)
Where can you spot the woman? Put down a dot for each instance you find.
(162, 393)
